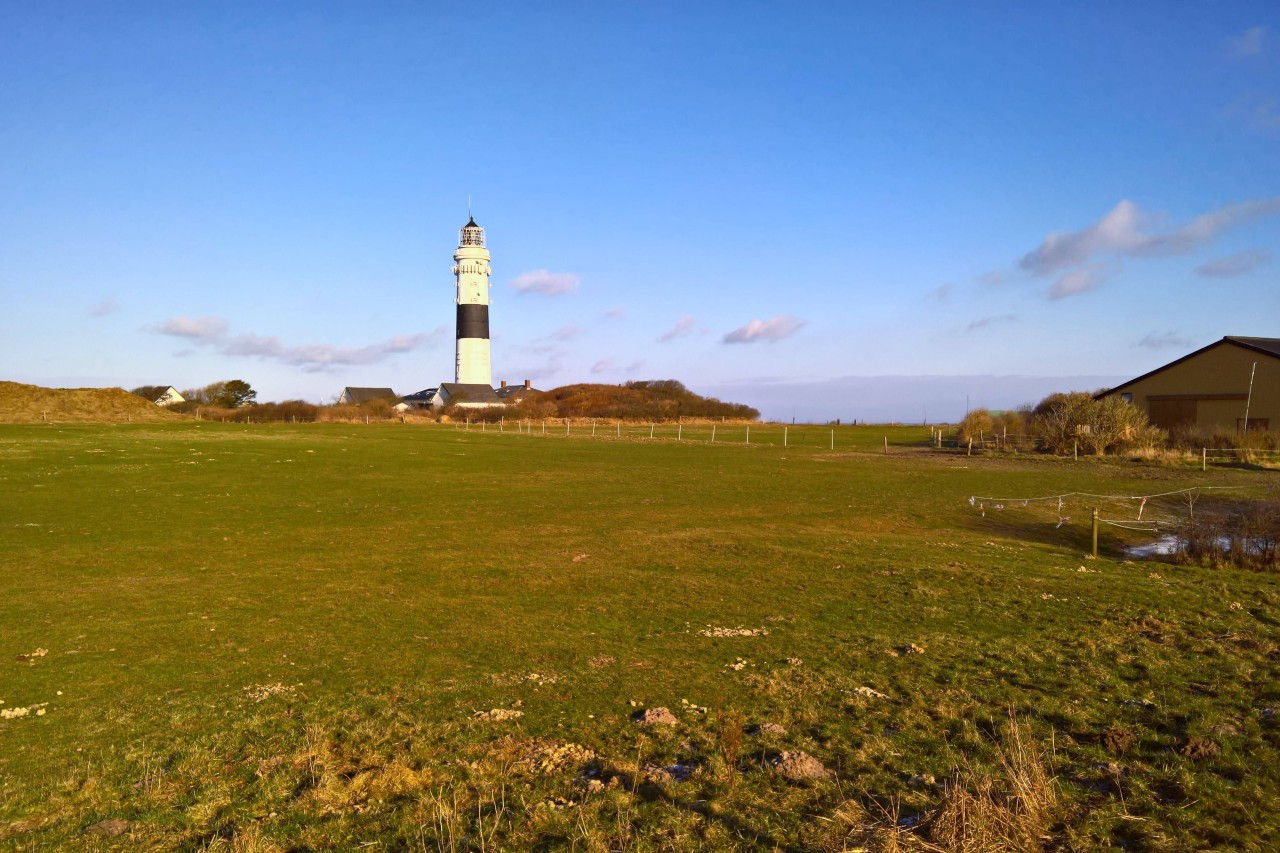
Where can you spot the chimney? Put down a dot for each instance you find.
(528, 384)
(504, 383)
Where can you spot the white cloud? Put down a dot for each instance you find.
(602, 365)
(318, 357)
(1250, 43)
(1115, 232)
(212, 331)
(1165, 341)
(984, 322)
(545, 282)
(1125, 230)
(774, 329)
(685, 326)
(195, 328)
(1076, 282)
(1233, 265)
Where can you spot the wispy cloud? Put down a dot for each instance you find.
(1259, 111)
(540, 371)
(1166, 341)
(105, 308)
(992, 278)
(1250, 43)
(1266, 113)
(213, 332)
(567, 333)
(684, 327)
(546, 283)
(1126, 231)
(994, 319)
(939, 294)
(615, 313)
(605, 365)
(1076, 282)
(771, 330)
(195, 328)
(318, 357)
(1233, 265)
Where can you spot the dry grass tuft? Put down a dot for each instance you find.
(729, 742)
(1011, 811)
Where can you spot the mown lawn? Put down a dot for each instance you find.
(277, 637)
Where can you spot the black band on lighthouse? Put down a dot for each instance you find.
(473, 321)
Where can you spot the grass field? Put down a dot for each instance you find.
(278, 638)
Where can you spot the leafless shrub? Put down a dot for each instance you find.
(1232, 532)
(1194, 438)
(975, 425)
(1064, 422)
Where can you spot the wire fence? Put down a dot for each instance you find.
(1237, 456)
(1160, 515)
(860, 438)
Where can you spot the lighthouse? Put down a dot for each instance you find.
(471, 269)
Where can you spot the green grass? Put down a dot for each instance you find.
(394, 579)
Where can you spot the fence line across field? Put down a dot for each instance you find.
(791, 435)
(1064, 495)
(1236, 454)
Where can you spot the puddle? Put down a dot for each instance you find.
(1162, 547)
(1170, 544)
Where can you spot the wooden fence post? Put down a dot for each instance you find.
(1095, 531)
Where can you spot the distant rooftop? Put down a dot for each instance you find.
(1268, 345)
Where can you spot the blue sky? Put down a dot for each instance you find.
(769, 204)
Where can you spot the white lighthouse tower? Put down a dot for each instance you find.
(471, 267)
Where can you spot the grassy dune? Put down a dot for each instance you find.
(279, 637)
(33, 404)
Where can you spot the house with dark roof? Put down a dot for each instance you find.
(352, 396)
(513, 393)
(468, 395)
(1226, 385)
(424, 399)
(169, 397)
